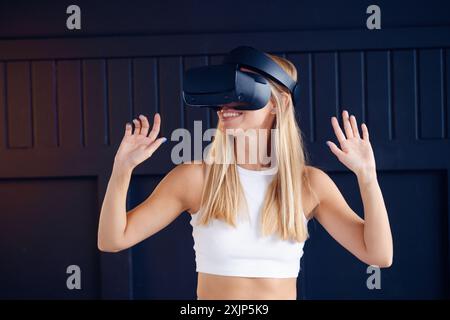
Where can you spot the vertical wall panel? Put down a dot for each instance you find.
(325, 95)
(69, 103)
(431, 117)
(145, 87)
(94, 102)
(403, 94)
(3, 127)
(171, 106)
(351, 95)
(446, 93)
(20, 132)
(378, 115)
(119, 97)
(44, 104)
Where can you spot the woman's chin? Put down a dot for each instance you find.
(230, 125)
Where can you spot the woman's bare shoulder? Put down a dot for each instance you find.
(314, 174)
(193, 172)
(190, 177)
(316, 181)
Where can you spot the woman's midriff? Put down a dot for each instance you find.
(217, 287)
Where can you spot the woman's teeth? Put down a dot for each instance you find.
(231, 114)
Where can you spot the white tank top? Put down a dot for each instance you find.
(224, 250)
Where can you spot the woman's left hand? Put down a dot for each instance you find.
(355, 153)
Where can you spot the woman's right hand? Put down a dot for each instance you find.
(136, 146)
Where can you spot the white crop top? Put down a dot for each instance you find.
(224, 250)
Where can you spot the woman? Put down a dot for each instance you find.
(250, 219)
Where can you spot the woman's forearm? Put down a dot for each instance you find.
(113, 215)
(377, 232)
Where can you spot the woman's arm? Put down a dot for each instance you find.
(175, 193)
(370, 239)
(377, 231)
(119, 230)
(113, 214)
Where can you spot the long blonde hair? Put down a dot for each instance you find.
(282, 211)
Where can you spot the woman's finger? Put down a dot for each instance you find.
(128, 129)
(347, 126)
(334, 148)
(337, 130)
(155, 145)
(354, 126)
(156, 125)
(145, 125)
(137, 127)
(365, 132)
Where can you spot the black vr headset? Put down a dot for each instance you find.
(216, 85)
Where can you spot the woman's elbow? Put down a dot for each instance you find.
(385, 262)
(105, 246)
(382, 262)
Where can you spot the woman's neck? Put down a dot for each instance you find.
(249, 160)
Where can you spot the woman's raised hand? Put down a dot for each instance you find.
(355, 153)
(139, 145)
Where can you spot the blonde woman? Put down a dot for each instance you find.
(249, 220)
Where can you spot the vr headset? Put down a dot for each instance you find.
(216, 85)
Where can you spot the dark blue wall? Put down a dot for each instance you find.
(65, 96)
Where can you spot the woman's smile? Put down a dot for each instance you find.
(228, 114)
